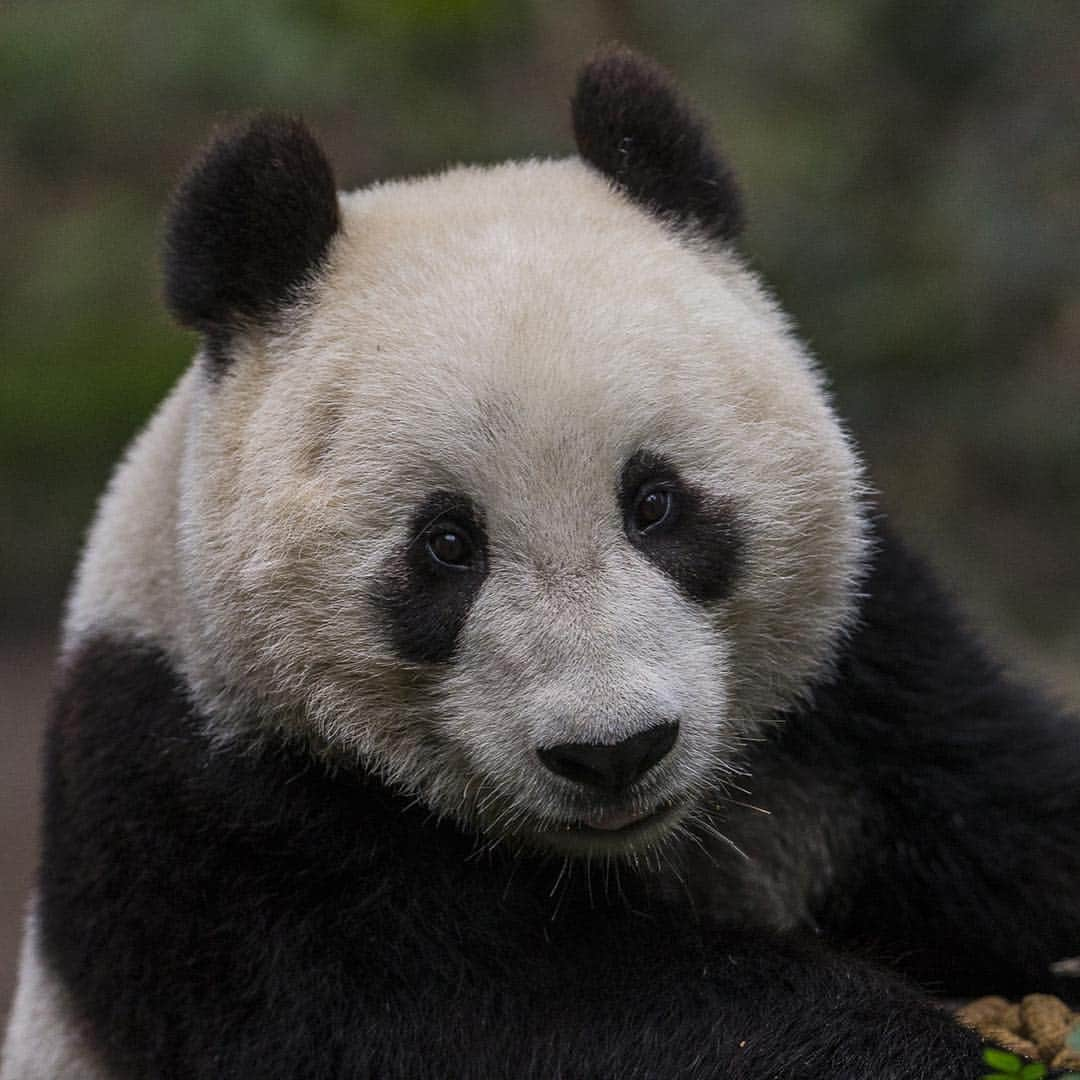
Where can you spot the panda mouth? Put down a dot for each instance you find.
(620, 825)
(618, 821)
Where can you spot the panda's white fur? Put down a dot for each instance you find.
(266, 804)
(44, 1039)
(517, 333)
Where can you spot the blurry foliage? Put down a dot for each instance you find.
(913, 178)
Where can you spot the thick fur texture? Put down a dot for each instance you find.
(300, 815)
(265, 917)
(249, 226)
(593, 333)
(923, 808)
(246, 899)
(48, 1038)
(633, 125)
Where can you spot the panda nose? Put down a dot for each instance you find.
(610, 767)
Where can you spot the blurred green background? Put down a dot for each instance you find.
(913, 179)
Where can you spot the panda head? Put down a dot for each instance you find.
(510, 484)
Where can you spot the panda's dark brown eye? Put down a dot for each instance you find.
(652, 508)
(450, 546)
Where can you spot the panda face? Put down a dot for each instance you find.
(534, 506)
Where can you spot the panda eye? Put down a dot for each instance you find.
(449, 545)
(653, 507)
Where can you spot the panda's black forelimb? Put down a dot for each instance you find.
(229, 915)
(964, 793)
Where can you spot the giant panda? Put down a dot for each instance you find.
(489, 662)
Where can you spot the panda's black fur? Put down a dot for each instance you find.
(218, 908)
(236, 914)
(425, 610)
(631, 125)
(250, 224)
(705, 559)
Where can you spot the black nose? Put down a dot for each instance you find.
(611, 767)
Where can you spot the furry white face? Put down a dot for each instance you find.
(529, 471)
(510, 484)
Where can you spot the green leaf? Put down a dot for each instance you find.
(1035, 1071)
(1001, 1060)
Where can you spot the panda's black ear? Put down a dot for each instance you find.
(631, 123)
(250, 224)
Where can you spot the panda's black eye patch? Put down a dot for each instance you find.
(431, 583)
(692, 537)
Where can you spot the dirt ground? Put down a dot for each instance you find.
(25, 681)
